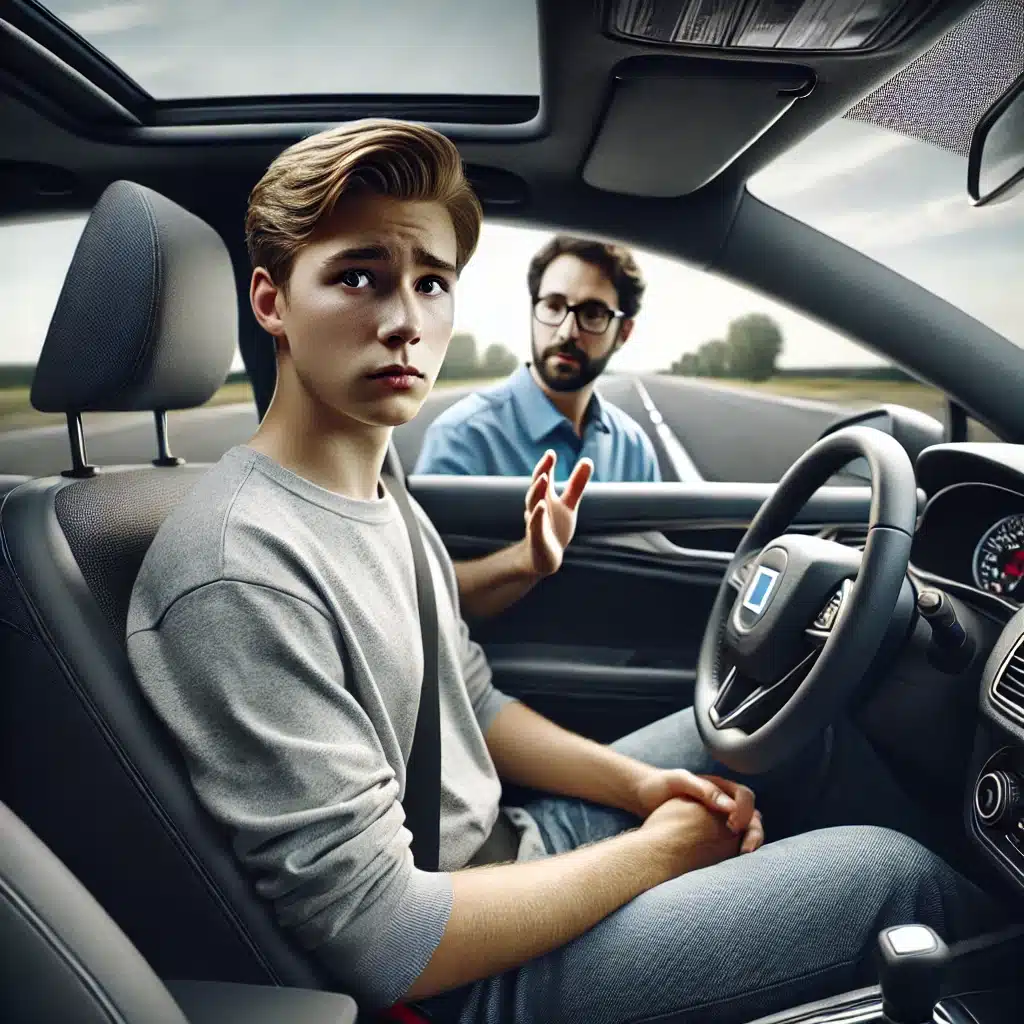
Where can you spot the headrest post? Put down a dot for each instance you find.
(80, 468)
(164, 458)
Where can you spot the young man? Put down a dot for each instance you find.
(274, 628)
(585, 296)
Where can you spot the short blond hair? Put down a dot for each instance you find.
(383, 157)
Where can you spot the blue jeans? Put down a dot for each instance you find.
(794, 922)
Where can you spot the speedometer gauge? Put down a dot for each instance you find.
(999, 558)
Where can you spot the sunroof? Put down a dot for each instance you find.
(204, 49)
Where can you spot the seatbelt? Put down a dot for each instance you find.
(422, 802)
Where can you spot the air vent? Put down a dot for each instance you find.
(1008, 686)
(854, 536)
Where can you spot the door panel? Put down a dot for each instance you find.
(610, 643)
(492, 507)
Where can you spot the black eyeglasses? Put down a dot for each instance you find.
(592, 316)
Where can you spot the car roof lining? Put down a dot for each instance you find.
(531, 173)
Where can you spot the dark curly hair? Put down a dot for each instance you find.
(615, 261)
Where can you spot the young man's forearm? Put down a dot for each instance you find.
(529, 750)
(504, 916)
(489, 585)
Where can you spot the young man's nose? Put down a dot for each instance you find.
(399, 322)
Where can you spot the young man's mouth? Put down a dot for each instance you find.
(397, 377)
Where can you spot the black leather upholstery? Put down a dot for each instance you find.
(147, 317)
(87, 764)
(63, 960)
(83, 761)
(9, 481)
(219, 1003)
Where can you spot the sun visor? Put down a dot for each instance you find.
(674, 124)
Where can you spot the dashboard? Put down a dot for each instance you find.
(970, 542)
(973, 534)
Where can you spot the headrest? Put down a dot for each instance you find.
(147, 318)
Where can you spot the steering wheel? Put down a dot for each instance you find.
(798, 619)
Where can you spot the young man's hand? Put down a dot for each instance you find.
(731, 801)
(687, 836)
(551, 518)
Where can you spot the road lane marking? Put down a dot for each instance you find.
(682, 465)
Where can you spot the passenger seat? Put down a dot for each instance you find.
(146, 320)
(64, 960)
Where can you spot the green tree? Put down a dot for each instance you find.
(685, 365)
(498, 361)
(460, 362)
(714, 359)
(754, 342)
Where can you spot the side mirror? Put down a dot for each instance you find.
(995, 165)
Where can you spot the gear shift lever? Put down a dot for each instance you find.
(912, 960)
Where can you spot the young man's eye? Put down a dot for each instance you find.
(434, 286)
(355, 278)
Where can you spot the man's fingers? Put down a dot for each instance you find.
(741, 817)
(537, 531)
(535, 521)
(577, 483)
(703, 788)
(545, 463)
(743, 801)
(754, 836)
(536, 493)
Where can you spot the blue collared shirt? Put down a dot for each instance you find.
(504, 430)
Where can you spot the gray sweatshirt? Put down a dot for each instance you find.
(274, 629)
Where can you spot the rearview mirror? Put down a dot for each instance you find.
(995, 166)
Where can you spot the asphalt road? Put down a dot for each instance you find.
(719, 432)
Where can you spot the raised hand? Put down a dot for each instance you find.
(550, 517)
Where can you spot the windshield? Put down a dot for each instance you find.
(903, 202)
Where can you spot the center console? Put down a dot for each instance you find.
(983, 981)
(994, 809)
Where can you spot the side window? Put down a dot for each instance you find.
(34, 258)
(722, 383)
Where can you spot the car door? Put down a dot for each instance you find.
(610, 642)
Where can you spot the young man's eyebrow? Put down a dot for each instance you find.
(428, 259)
(383, 253)
(362, 252)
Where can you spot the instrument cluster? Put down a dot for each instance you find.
(973, 534)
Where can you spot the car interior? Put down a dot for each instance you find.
(120, 899)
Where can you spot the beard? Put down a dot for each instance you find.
(563, 376)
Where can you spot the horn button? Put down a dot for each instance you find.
(789, 585)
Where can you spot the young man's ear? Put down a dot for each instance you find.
(265, 298)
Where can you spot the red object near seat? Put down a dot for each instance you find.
(401, 1014)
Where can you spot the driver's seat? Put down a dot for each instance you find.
(146, 320)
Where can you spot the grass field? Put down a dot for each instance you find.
(861, 394)
(855, 393)
(16, 411)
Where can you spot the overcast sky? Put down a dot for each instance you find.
(901, 201)
(178, 49)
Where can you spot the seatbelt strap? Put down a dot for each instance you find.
(422, 802)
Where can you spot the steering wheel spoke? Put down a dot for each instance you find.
(828, 618)
(740, 575)
(746, 705)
